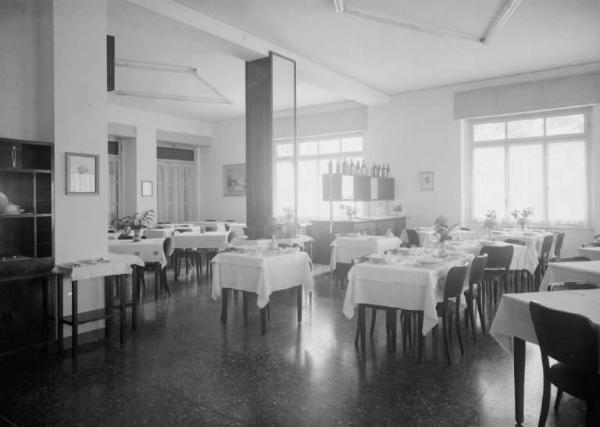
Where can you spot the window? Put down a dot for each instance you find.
(314, 157)
(535, 160)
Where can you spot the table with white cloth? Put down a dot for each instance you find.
(407, 282)
(149, 250)
(345, 248)
(111, 266)
(513, 326)
(426, 234)
(198, 240)
(165, 231)
(301, 240)
(522, 258)
(533, 241)
(592, 252)
(577, 271)
(261, 272)
(238, 228)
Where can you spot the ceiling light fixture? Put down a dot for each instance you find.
(339, 5)
(169, 97)
(500, 19)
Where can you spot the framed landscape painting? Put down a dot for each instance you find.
(234, 180)
(82, 173)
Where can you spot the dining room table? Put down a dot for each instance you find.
(512, 326)
(592, 252)
(201, 240)
(577, 271)
(261, 271)
(346, 247)
(149, 250)
(427, 235)
(410, 279)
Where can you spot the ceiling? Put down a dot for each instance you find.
(360, 54)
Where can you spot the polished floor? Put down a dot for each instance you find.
(182, 367)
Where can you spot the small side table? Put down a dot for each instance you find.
(114, 268)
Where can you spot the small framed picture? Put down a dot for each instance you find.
(234, 180)
(147, 188)
(426, 179)
(82, 173)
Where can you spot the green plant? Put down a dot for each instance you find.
(136, 221)
(522, 215)
(490, 220)
(442, 229)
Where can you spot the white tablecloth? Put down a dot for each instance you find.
(345, 249)
(592, 252)
(107, 265)
(584, 271)
(513, 319)
(522, 256)
(149, 250)
(240, 242)
(404, 285)
(261, 274)
(426, 235)
(197, 240)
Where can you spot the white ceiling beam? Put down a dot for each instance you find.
(500, 19)
(412, 25)
(315, 73)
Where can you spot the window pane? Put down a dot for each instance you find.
(488, 131)
(285, 150)
(284, 187)
(525, 128)
(564, 125)
(329, 146)
(307, 148)
(309, 181)
(352, 144)
(567, 182)
(488, 181)
(526, 172)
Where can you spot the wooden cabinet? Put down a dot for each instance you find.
(320, 231)
(26, 237)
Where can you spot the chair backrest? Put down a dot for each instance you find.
(231, 236)
(570, 259)
(477, 267)
(359, 260)
(515, 242)
(571, 286)
(210, 228)
(168, 246)
(230, 220)
(499, 256)
(413, 237)
(560, 237)
(210, 220)
(566, 337)
(546, 245)
(227, 227)
(465, 229)
(455, 281)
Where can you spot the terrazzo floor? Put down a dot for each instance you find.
(182, 367)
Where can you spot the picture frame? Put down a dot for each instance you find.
(147, 188)
(82, 173)
(234, 180)
(426, 179)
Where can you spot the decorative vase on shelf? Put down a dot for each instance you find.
(137, 234)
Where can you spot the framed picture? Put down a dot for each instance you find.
(82, 173)
(147, 188)
(234, 180)
(426, 181)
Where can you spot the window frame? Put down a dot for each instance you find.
(544, 141)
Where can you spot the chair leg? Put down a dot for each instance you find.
(446, 340)
(421, 337)
(373, 319)
(545, 403)
(460, 341)
(471, 315)
(559, 394)
(163, 278)
(480, 310)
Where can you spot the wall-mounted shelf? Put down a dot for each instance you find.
(341, 187)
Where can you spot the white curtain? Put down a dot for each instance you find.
(177, 191)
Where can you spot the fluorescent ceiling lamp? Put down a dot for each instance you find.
(500, 20)
(169, 97)
(339, 5)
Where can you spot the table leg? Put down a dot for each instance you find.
(519, 374)
(390, 321)
(156, 281)
(135, 289)
(108, 307)
(46, 311)
(299, 303)
(224, 303)
(245, 307)
(361, 326)
(75, 316)
(123, 308)
(263, 319)
(59, 312)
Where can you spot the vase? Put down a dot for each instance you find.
(137, 234)
(443, 249)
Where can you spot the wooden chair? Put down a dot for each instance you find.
(560, 237)
(474, 292)
(449, 308)
(160, 272)
(544, 258)
(515, 242)
(413, 237)
(209, 254)
(495, 273)
(571, 340)
(571, 259)
(522, 279)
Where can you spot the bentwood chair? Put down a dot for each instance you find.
(572, 340)
(560, 237)
(496, 274)
(474, 292)
(160, 272)
(544, 258)
(449, 308)
(413, 237)
(211, 253)
(522, 279)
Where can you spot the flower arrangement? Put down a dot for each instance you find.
(522, 215)
(351, 211)
(136, 221)
(442, 229)
(490, 220)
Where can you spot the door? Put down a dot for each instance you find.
(177, 191)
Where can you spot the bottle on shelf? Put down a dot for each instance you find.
(337, 167)
(330, 166)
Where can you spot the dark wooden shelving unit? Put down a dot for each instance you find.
(26, 240)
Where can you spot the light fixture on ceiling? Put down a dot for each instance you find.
(169, 68)
(339, 5)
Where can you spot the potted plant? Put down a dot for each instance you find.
(135, 222)
(522, 216)
(490, 222)
(351, 211)
(442, 231)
